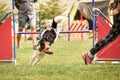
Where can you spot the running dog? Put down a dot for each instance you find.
(49, 36)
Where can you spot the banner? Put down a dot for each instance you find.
(111, 51)
(6, 40)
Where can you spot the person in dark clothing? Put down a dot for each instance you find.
(112, 35)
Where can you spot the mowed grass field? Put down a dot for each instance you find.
(65, 64)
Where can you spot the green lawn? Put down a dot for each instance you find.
(65, 64)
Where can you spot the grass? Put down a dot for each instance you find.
(65, 64)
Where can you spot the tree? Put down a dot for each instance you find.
(3, 9)
(48, 9)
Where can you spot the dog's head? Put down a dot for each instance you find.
(45, 46)
(49, 36)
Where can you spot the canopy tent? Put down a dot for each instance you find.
(85, 8)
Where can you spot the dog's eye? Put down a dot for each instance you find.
(42, 44)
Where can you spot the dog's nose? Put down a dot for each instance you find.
(47, 48)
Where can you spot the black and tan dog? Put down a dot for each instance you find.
(49, 36)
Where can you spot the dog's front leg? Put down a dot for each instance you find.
(33, 57)
(38, 58)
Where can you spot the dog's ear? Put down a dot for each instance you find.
(42, 45)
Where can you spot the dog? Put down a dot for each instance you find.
(48, 37)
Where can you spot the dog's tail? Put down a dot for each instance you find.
(54, 24)
(57, 20)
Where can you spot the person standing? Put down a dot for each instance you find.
(113, 34)
(26, 15)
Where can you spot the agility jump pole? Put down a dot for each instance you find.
(4, 17)
(69, 21)
(61, 32)
(102, 14)
(14, 40)
(95, 18)
(94, 22)
(69, 25)
(40, 23)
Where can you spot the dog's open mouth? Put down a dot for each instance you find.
(49, 52)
